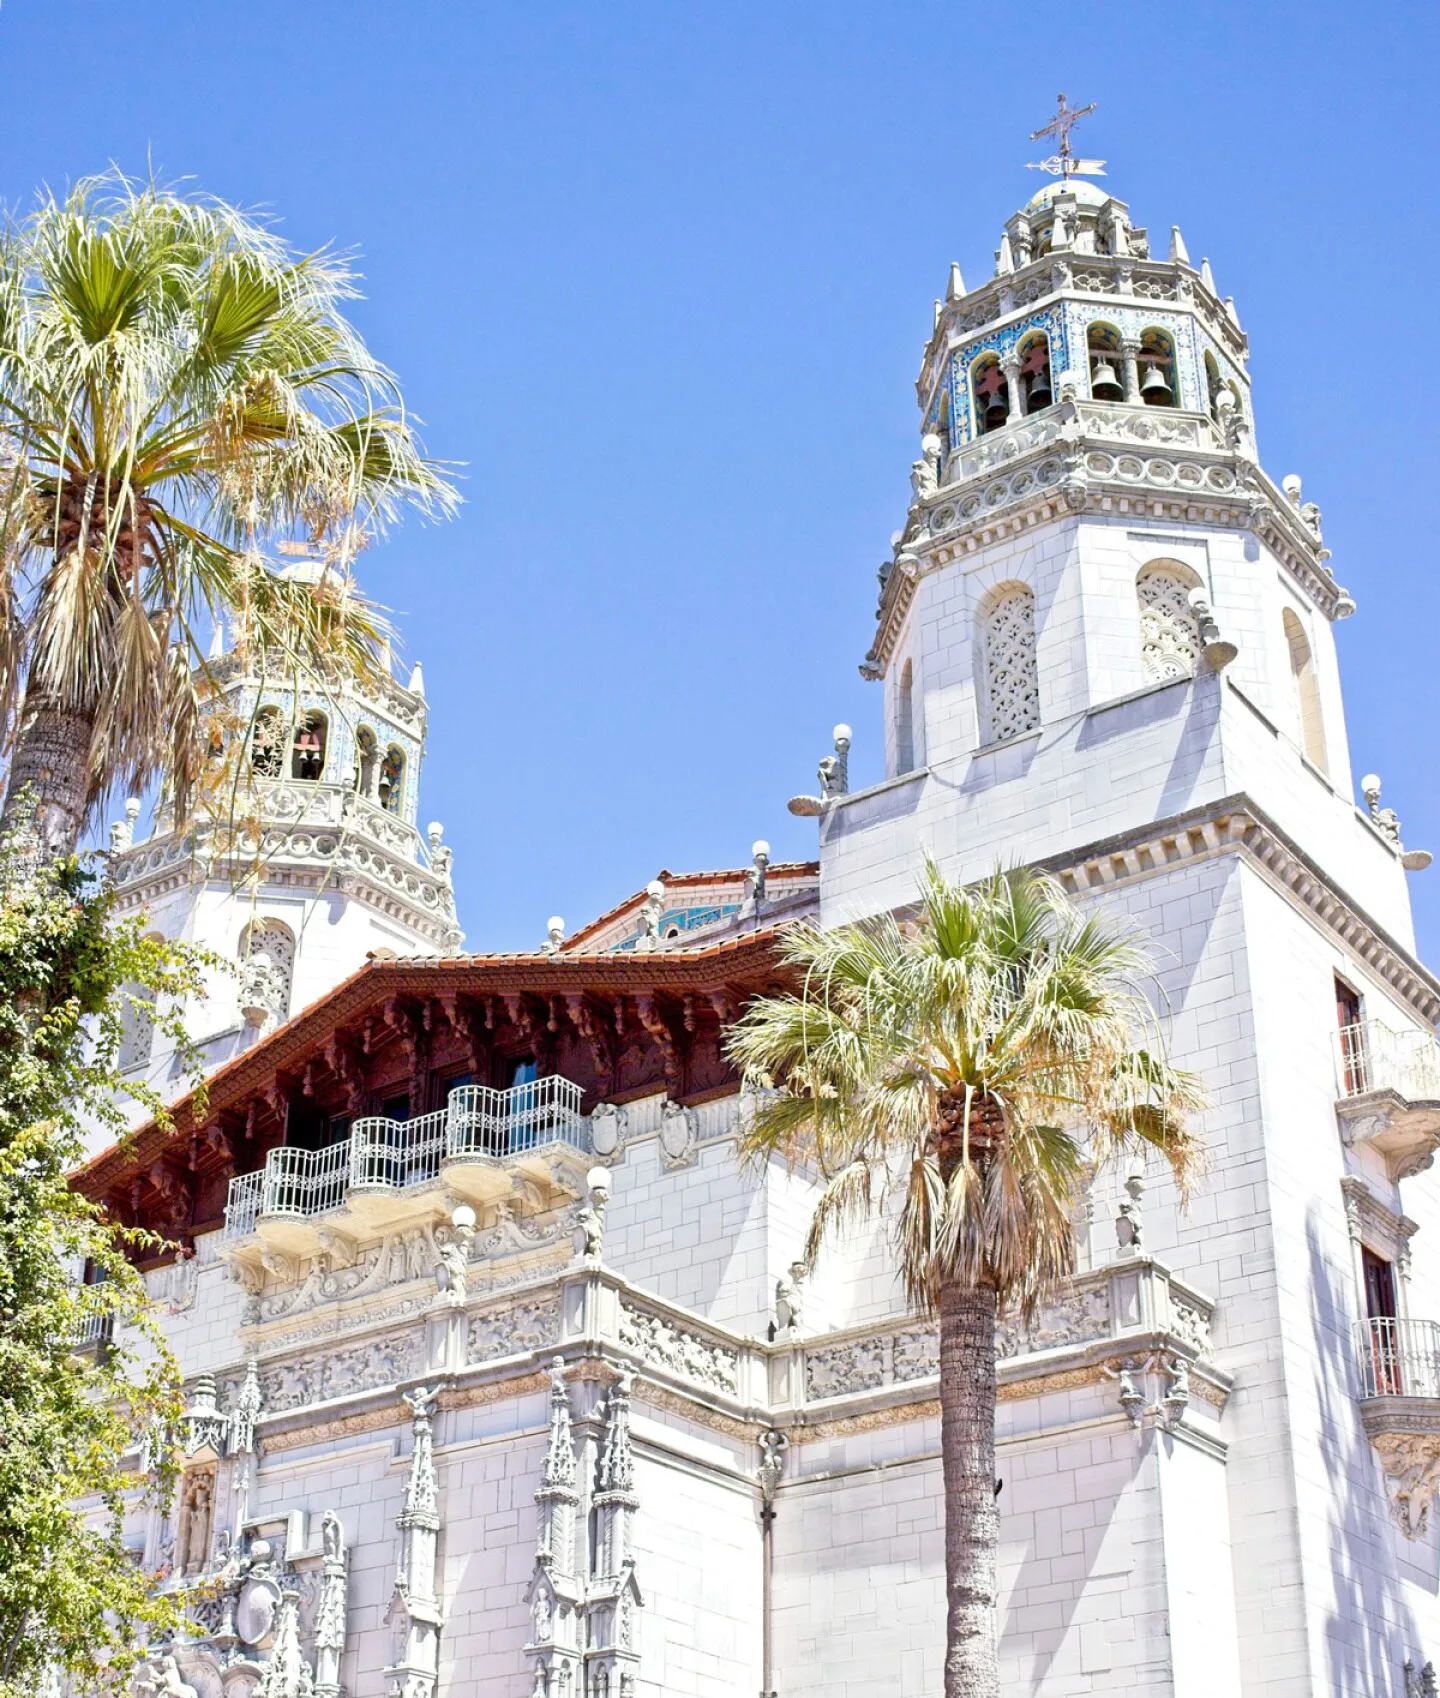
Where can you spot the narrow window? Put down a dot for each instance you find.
(267, 744)
(1353, 1058)
(1157, 370)
(992, 394)
(307, 755)
(1103, 344)
(391, 788)
(1307, 691)
(905, 722)
(1379, 1286)
(1169, 633)
(1012, 686)
(521, 1071)
(1035, 373)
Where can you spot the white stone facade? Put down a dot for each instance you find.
(1089, 653)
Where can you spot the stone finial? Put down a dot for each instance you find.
(1179, 253)
(554, 934)
(1207, 277)
(416, 686)
(935, 317)
(1004, 257)
(1291, 485)
(386, 658)
(1230, 311)
(217, 641)
(956, 286)
(755, 874)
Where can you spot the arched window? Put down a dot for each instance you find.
(1035, 383)
(391, 789)
(1012, 686)
(1169, 632)
(1103, 344)
(267, 744)
(367, 762)
(307, 753)
(991, 394)
(1307, 690)
(267, 951)
(1158, 386)
(905, 722)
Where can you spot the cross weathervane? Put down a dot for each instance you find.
(1064, 164)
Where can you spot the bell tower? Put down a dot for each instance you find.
(1105, 640)
(303, 861)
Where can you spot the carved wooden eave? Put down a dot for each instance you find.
(671, 992)
(1235, 825)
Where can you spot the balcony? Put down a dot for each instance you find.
(1388, 1090)
(1399, 1396)
(386, 1173)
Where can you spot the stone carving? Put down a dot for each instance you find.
(607, 1130)
(773, 1445)
(330, 1613)
(1412, 1467)
(1129, 1218)
(246, 1411)
(1190, 1325)
(1012, 683)
(453, 1250)
(682, 1352)
(679, 1140)
(1177, 1392)
(855, 1365)
(169, 1682)
(789, 1302)
(197, 1504)
(1073, 1318)
(925, 472)
(1421, 1684)
(1169, 635)
(313, 1379)
(414, 1615)
(287, 1674)
(1131, 1396)
(590, 1220)
(205, 1428)
(529, 1324)
(915, 1354)
(400, 1257)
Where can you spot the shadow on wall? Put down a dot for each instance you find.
(1371, 1630)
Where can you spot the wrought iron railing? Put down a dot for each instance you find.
(1374, 1057)
(305, 1182)
(242, 1205)
(483, 1122)
(380, 1154)
(394, 1155)
(1398, 1358)
(94, 1331)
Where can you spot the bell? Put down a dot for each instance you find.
(1040, 396)
(997, 414)
(1154, 390)
(1104, 385)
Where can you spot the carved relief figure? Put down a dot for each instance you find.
(197, 1500)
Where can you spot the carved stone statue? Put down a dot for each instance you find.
(171, 1683)
(196, 1505)
(788, 1299)
(453, 1270)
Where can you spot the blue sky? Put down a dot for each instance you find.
(660, 274)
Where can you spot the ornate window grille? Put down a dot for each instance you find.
(1012, 684)
(1169, 633)
(268, 944)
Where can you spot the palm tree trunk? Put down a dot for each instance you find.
(49, 784)
(972, 1521)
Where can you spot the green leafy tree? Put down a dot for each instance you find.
(72, 1405)
(178, 388)
(981, 1059)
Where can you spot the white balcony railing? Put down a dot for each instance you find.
(304, 1182)
(1398, 1358)
(476, 1124)
(1374, 1057)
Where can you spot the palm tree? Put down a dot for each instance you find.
(981, 1060)
(178, 389)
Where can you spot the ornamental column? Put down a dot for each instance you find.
(414, 1608)
(1130, 376)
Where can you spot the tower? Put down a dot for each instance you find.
(304, 858)
(1105, 640)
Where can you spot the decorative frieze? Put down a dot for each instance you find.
(677, 1349)
(302, 1380)
(528, 1324)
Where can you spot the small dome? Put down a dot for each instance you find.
(1084, 191)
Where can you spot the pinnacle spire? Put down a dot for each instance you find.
(956, 286)
(1178, 251)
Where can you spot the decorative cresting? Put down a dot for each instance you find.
(414, 1615)
(1169, 632)
(612, 1658)
(556, 1594)
(1012, 683)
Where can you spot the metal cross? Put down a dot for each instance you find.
(1064, 163)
